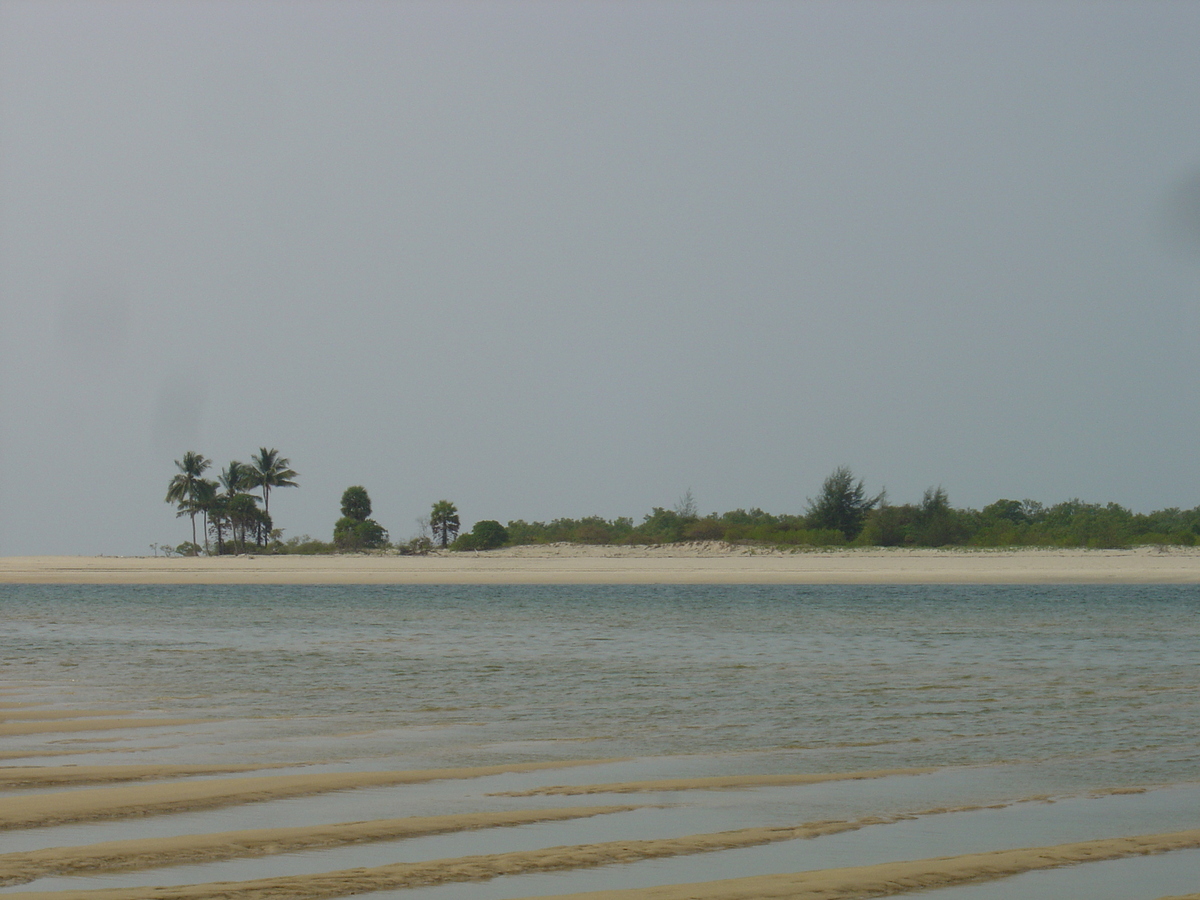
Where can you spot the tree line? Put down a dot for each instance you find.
(843, 514)
(225, 505)
(231, 520)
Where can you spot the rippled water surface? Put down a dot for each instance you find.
(844, 676)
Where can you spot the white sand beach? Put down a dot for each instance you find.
(699, 563)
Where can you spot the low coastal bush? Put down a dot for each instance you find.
(487, 534)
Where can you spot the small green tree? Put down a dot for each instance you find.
(351, 534)
(244, 516)
(356, 504)
(355, 530)
(842, 505)
(443, 522)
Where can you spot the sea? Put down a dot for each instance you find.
(1022, 697)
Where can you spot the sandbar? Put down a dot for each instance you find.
(56, 726)
(146, 853)
(712, 783)
(95, 804)
(823, 884)
(48, 776)
(702, 563)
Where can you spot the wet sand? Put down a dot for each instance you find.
(186, 788)
(94, 804)
(707, 563)
(714, 783)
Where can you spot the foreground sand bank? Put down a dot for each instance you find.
(45, 866)
(675, 564)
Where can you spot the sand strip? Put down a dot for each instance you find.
(44, 776)
(717, 783)
(903, 877)
(115, 856)
(47, 714)
(670, 564)
(27, 754)
(94, 804)
(12, 729)
(16, 868)
(822, 884)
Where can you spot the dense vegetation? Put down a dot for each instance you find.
(842, 514)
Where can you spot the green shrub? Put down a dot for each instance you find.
(488, 534)
(351, 534)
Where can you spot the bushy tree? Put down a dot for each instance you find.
(355, 530)
(352, 534)
(842, 505)
(936, 523)
(487, 534)
(356, 504)
(443, 521)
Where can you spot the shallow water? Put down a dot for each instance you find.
(1020, 690)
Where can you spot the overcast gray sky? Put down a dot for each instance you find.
(554, 259)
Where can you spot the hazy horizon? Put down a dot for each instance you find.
(556, 260)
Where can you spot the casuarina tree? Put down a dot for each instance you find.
(842, 505)
(443, 521)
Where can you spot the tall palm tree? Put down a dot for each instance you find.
(235, 478)
(203, 499)
(270, 470)
(182, 489)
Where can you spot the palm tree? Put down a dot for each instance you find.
(203, 499)
(183, 487)
(270, 470)
(443, 519)
(235, 478)
(217, 510)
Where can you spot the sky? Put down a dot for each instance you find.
(550, 259)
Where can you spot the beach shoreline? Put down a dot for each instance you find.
(700, 563)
